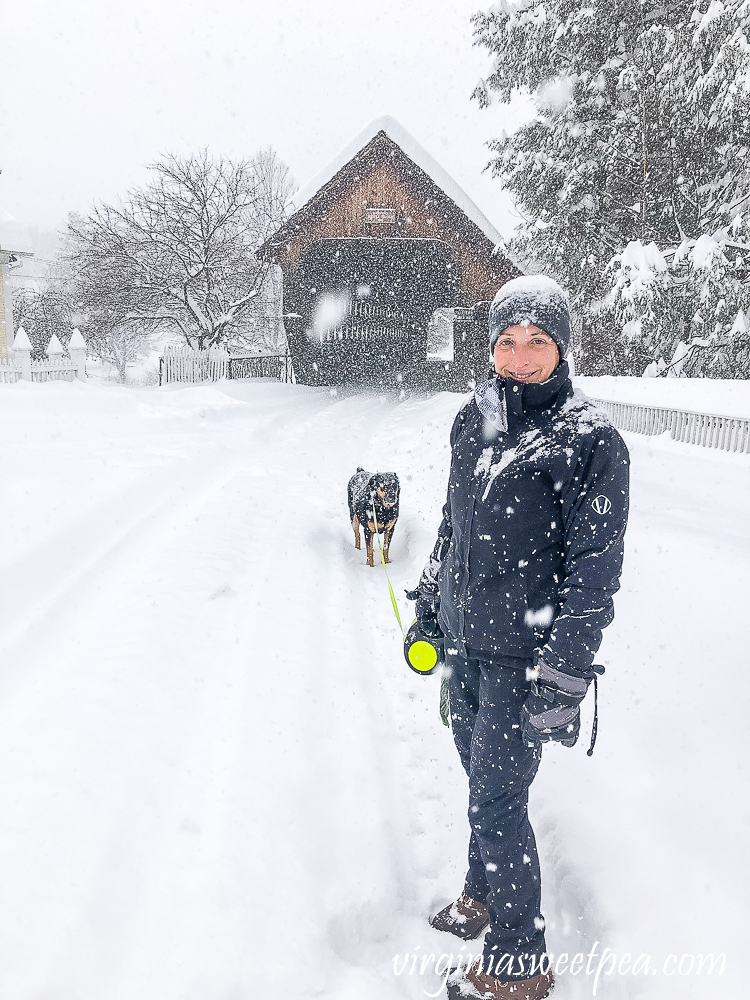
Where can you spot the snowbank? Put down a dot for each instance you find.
(725, 397)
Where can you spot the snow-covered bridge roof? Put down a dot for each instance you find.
(417, 153)
(385, 190)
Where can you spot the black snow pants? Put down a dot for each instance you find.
(486, 699)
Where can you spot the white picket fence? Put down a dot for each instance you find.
(184, 364)
(51, 370)
(17, 364)
(706, 429)
(9, 370)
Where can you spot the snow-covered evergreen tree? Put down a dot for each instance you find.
(636, 158)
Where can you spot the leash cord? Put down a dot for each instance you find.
(445, 704)
(382, 559)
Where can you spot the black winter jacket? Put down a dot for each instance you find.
(529, 551)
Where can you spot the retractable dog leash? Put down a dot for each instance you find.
(420, 654)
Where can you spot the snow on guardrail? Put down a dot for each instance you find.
(706, 429)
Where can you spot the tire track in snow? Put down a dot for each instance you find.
(418, 765)
(357, 843)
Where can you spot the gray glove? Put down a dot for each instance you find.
(552, 710)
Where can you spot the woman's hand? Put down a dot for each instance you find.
(552, 710)
(426, 610)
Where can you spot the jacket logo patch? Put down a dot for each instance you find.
(601, 504)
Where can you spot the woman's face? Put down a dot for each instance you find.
(526, 354)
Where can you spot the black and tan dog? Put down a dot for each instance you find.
(381, 490)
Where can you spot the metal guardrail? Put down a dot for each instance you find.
(706, 429)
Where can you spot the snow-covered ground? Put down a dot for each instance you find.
(218, 780)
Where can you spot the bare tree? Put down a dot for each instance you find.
(42, 312)
(261, 329)
(179, 254)
(104, 310)
(114, 340)
(119, 345)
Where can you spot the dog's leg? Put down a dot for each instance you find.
(355, 525)
(387, 536)
(368, 544)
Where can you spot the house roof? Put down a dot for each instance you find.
(12, 238)
(417, 153)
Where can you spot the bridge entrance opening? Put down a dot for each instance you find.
(362, 307)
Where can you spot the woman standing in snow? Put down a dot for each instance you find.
(520, 583)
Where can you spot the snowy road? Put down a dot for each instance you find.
(219, 781)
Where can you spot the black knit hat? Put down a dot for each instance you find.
(532, 299)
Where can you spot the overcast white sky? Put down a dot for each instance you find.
(93, 90)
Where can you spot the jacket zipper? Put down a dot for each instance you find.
(465, 581)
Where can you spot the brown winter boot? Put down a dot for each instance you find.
(466, 918)
(475, 983)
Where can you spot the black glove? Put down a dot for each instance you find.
(426, 610)
(552, 710)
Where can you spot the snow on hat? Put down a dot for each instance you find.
(532, 299)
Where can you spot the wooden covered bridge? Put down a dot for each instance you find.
(379, 240)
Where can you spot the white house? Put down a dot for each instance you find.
(13, 248)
